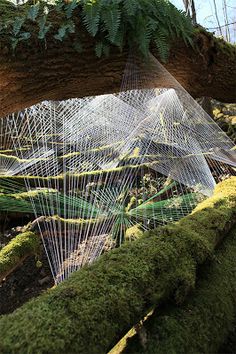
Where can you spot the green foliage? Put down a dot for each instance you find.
(70, 7)
(91, 16)
(21, 246)
(101, 48)
(138, 23)
(161, 44)
(43, 27)
(93, 309)
(133, 233)
(64, 30)
(11, 204)
(17, 25)
(33, 12)
(17, 34)
(202, 324)
(111, 16)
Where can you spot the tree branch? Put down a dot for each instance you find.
(59, 72)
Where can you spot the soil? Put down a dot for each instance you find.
(11, 224)
(25, 283)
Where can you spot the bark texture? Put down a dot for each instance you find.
(58, 72)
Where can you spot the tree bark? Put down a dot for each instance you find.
(58, 72)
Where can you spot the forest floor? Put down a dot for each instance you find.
(27, 281)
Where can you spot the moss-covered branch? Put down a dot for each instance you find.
(202, 324)
(117, 23)
(52, 69)
(5, 181)
(92, 310)
(16, 251)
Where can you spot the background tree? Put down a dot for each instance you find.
(191, 10)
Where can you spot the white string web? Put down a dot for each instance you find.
(99, 169)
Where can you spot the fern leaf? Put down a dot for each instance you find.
(111, 17)
(99, 49)
(91, 16)
(33, 12)
(162, 45)
(131, 7)
(18, 23)
(43, 28)
(102, 48)
(69, 8)
(119, 39)
(66, 28)
(143, 35)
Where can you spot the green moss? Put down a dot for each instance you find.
(96, 306)
(202, 324)
(63, 222)
(22, 245)
(17, 159)
(33, 193)
(96, 173)
(133, 233)
(218, 42)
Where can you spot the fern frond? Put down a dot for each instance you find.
(91, 16)
(43, 27)
(131, 7)
(19, 21)
(101, 48)
(70, 7)
(119, 39)
(116, 22)
(162, 44)
(144, 35)
(111, 16)
(33, 12)
(65, 29)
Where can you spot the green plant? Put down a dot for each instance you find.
(138, 23)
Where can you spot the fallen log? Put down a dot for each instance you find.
(202, 324)
(16, 251)
(59, 72)
(96, 306)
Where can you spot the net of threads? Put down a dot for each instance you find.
(101, 170)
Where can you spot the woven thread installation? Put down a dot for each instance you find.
(98, 171)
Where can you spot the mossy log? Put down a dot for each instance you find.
(96, 306)
(16, 251)
(59, 72)
(202, 324)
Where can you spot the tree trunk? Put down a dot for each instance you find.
(57, 73)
